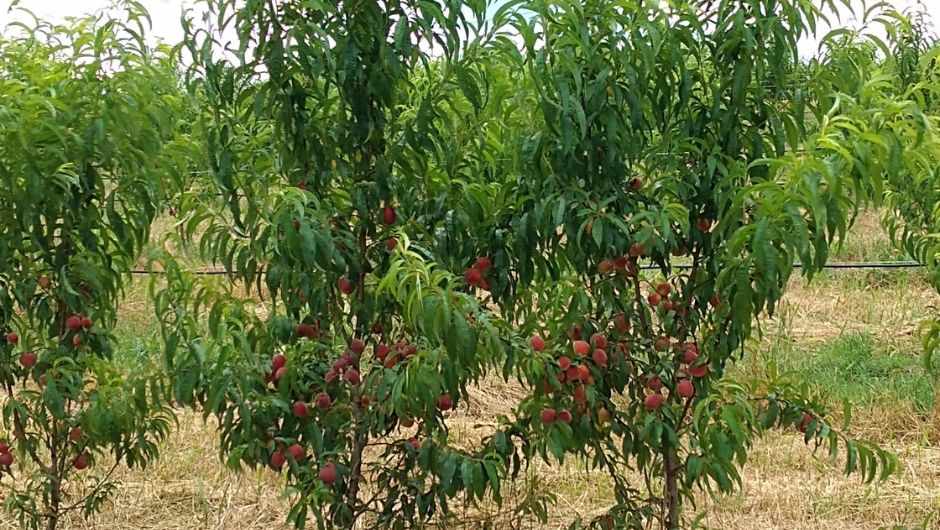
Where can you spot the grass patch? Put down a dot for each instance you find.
(856, 366)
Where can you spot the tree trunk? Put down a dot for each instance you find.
(672, 487)
(355, 477)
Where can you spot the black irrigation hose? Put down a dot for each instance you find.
(870, 265)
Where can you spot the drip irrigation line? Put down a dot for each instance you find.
(868, 265)
(865, 265)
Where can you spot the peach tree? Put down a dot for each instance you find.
(891, 85)
(596, 201)
(685, 141)
(88, 137)
(913, 196)
(336, 183)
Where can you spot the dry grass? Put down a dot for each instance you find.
(785, 486)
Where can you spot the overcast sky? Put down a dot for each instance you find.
(166, 14)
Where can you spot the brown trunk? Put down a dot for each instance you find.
(355, 476)
(55, 499)
(672, 487)
(359, 433)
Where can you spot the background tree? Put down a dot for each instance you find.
(89, 143)
(910, 73)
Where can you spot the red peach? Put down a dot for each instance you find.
(574, 332)
(621, 324)
(344, 286)
(605, 266)
(80, 462)
(28, 360)
(698, 371)
(599, 341)
(654, 383)
(547, 416)
(662, 343)
(327, 474)
(579, 394)
(537, 343)
(357, 346)
(313, 332)
(690, 354)
(444, 403)
(573, 374)
(473, 276)
(322, 401)
(381, 352)
(352, 376)
(807, 418)
(340, 363)
(581, 348)
(583, 372)
(278, 361)
(296, 451)
(654, 401)
(389, 215)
